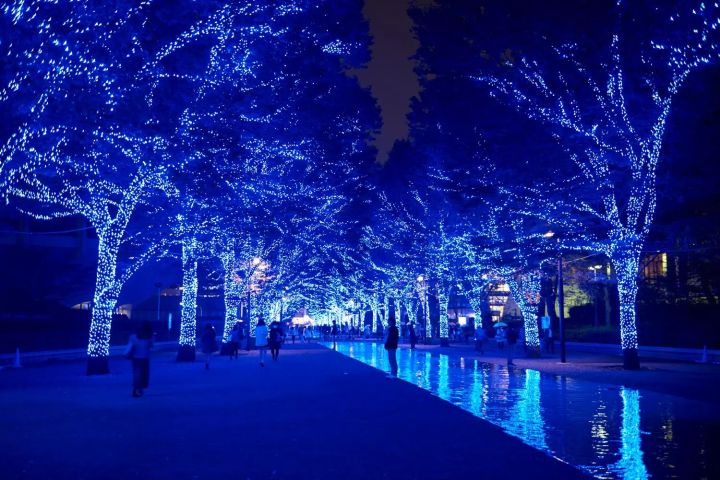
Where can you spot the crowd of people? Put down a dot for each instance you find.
(272, 337)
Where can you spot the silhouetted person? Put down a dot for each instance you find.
(547, 334)
(261, 340)
(235, 337)
(138, 351)
(208, 343)
(500, 337)
(275, 340)
(334, 334)
(391, 345)
(412, 335)
(480, 338)
(512, 338)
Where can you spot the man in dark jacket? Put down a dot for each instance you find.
(391, 345)
(512, 337)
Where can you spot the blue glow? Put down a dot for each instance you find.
(144, 94)
(615, 149)
(593, 426)
(528, 408)
(188, 323)
(631, 464)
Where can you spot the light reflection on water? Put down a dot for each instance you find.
(607, 431)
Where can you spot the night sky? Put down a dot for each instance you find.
(390, 73)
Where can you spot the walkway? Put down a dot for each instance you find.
(315, 414)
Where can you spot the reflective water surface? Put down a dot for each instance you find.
(607, 431)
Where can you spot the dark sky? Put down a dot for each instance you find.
(390, 73)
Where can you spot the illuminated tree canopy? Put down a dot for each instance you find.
(233, 136)
(603, 110)
(161, 117)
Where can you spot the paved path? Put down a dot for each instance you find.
(315, 414)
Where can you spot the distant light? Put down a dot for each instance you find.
(549, 234)
(420, 278)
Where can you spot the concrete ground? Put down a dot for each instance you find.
(314, 414)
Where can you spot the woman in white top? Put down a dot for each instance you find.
(308, 334)
(138, 350)
(261, 340)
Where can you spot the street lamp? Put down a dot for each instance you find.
(595, 291)
(247, 313)
(158, 285)
(560, 296)
(422, 290)
(561, 307)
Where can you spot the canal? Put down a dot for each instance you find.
(607, 431)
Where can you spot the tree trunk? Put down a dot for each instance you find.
(231, 296)
(104, 302)
(428, 320)
(529, 312)
(385, 312)
(443, 301)
(99, 343)
(625, 262)
(188, 322)
(375, 315)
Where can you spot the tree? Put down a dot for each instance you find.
(98, 139)
(155, 87)
(608, 115)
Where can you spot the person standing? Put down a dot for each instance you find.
(500, 337)
(275, 340)
(547, 334)
(412, 336)
(512, 337)
(208, 343)
(261, 340)
(138, 350)
(391, 345)
(334, 334)
(235, 337)
(480, 337)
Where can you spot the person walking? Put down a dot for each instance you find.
(547, 334)
(391, 345)
(500, 337)
(138, 350)
(208, 343)
(235, 338)
(480, 337)
(412, 336)
(261, 340)
(308, 334)
(275, 340)
(512, 337)
(334, 334)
